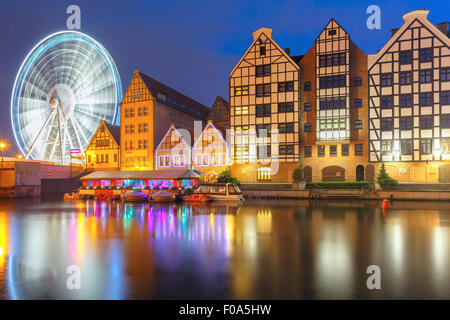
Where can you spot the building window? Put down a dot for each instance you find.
(425, 76)
(179, 161)
(263, 70)
(262, 50)
(286, 86)
(307, 106)
(307, 127)
(357, 124)
(405, 77)
(286, 107)
(358, 149)
(386, 147)
(405, 123)
(321, 151)
(405, 100)
(241, 91)
(202, 160)
(405, 57)
(386, 79)
(307, 151)
(425, 99)
(386, 102)
(263, 110)
(332, 32)
(263, 174)
(406, 146)
(357, 81)
(218, 159)
(263, 90)
(307, 86)
(332, 82)
(89, 158)
(164, 161)
(445, 121)
(142, 111)
(445, 74)
(263, 130)
(333, 150)
(445, 97)
(264, 151)
(426, 145)
(241, 110)
(286, 149)
(358, 103)
(425, 55)
(426, 122)
(333, 103)
(445, 146)
(115, 157)
(286, 127)
(345, 149)
(335, 59)
(386, 124)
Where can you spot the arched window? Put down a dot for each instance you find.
(263, 174)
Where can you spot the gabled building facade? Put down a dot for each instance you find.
(209, 152)
(264, 112)
(220, 113)
(334, 121)
(174, 150)
(409, 101)
(147, 110)
(103, 151)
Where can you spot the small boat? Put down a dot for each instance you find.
(133, 196)
(220, 191)
(70, 196)
(162, 196)
(197, 197)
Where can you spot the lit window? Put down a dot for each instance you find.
(202, 160)
(179, 161)
(241, 110)
(263, 174)
(241, 91)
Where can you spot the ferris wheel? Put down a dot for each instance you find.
(66, 85)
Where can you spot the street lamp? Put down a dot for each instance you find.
(2, 146)
(19, 156)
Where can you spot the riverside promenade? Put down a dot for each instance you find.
(405, 191)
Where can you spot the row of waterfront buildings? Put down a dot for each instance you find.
(335, 111)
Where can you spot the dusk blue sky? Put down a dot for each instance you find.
(189, 45)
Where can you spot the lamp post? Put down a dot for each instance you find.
(2, 146)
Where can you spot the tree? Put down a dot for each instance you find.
(385, 179)
(297, 175)
(225, 176)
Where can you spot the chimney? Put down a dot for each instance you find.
(288, 51)
(266, 31)
(442, 26)
(393, 31)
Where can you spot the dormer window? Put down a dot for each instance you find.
(162, 96)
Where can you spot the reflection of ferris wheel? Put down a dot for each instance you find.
(67, 84)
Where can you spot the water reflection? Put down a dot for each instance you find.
(262, 249)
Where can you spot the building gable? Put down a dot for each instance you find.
(137, 90)
(273, 53)
(102, 134)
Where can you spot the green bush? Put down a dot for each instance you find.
(384, 179)
(226, 177)
(337, 185)
(297, 175)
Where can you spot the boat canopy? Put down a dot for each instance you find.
(143, 175)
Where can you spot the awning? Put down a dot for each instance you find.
(143, 175)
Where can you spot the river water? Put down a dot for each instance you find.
(262, 249)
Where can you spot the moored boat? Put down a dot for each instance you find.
(162, 196)
(133, 196)
(220, 191)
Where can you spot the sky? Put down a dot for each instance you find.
(191, 46)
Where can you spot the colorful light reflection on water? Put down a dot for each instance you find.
(262, 249)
